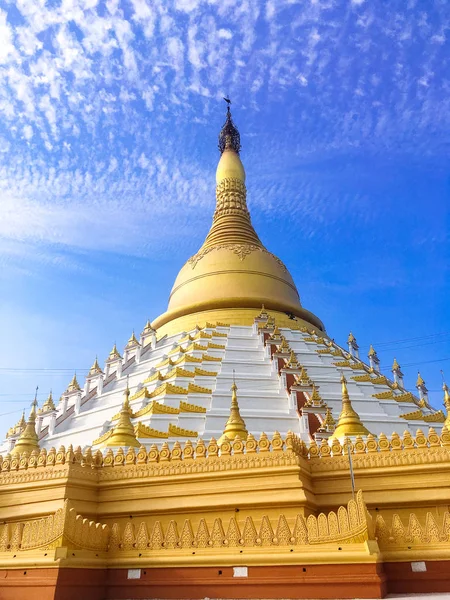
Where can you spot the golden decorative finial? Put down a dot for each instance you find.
(284, 346)
(446, 401)
(293, 362)
(235, 426)
(351, 338)
(315, 399)
(329, 423)
(95, 369)
(395, 365)
(276, 335)
(48, 404)
(123, 433)
(114, 354)
(420, 382)
(132, 342)
(303, 379)
(349, 422)
(73, 386)
(372, 351)
(28, 439)
(148, 328)
(263, 313)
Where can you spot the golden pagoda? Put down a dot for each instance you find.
(235, 426)
(123, 434)
(164, 491)
(349, 423)
(28, 439)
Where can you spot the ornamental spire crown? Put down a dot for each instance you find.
(229, 137)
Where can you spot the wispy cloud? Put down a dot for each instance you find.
(97, 102)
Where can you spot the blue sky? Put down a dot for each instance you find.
(109, 116)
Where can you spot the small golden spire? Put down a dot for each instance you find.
(21, 424)
(372, 351)
(446, 404)
(28, 439)
(48, 404)
(284, 346)
(276, 335)
(148, 327)
(395, 365)
(235, 426)
(351, 338)
(132, 342)
(303, 378)
(114, 353)
(315, 399)
(420, 382)
(293, 362)
(263, 314)
(349, 422)
(123, 433)
(95, 369)
(329, 424)
(73, 386)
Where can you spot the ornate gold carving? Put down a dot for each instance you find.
(203, 373)
(192, 408)
(208, 358)
(197, 389)
(388, 395)
(241, 250)
(179, 431)
(156, 408)
(143, 431)
(416, 533)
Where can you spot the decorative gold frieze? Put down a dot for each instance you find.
(143, 431)
(156, 408)
(436, 417)
(342, 363)
(362, 378)
(213, 346)
(192, 408)
(197, 389)
(203, 373)
(388, 395)
(179, 431)
(208, 358)
(431, 532)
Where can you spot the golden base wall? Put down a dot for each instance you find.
(74, 524)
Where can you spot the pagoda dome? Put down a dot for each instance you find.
(233, 273)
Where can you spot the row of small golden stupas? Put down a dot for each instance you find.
(124, 433)
(133, 343)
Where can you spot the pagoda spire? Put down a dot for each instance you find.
(73, 386)
(349, 422)
(28, 439)
(123, 433)
(231, 221)
(446, 404)
(235, 426)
